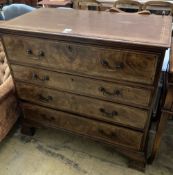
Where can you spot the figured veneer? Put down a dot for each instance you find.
(90, 73)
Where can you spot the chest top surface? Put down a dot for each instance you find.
(126, 28)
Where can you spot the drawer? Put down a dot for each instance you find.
(89, 107)
(85, 86)
(82, 59)
(91, 128)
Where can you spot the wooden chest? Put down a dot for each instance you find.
(90, 73)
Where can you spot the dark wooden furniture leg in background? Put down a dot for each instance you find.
(159, 131)
(92, 84)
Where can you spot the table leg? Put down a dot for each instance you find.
(159, 132)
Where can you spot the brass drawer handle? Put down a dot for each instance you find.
(105, 64)
(36, 77)
(108, 114)
(29, 52)
(41, 54)
(111, 135)
(45, 99)
(114, 93)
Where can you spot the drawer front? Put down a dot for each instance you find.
(85, 86)
(84, 60)
(170, 78)
(98, 130)
(93, 108)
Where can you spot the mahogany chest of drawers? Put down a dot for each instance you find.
(90, 73)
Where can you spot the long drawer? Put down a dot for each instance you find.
(82, 59)
(98, 130)
(85, 86)
(89, 107)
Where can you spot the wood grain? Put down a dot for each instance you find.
(133, 29)
(61, 65)
(82, 59)
(99, 130)
(90, 107)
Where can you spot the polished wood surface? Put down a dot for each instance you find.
(80, 85)
(91, 25)
(84, 106)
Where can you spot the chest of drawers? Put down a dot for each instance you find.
(88, 79)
